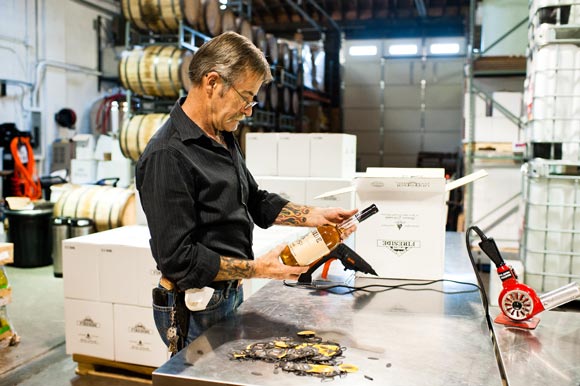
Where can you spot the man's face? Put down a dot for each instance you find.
(232, 104)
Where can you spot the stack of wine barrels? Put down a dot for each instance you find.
(137, 131)
(156, 70)
(109, 207)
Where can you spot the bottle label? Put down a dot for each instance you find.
(309, 248)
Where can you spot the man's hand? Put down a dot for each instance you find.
(270, 266)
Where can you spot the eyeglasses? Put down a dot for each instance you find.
(249, 104)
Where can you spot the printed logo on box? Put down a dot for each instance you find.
(140, 328)
(399, 247)
(88, 322)
(413, 184)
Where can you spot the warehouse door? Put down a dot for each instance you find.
(401, 105)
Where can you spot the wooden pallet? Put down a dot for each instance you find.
(87, 365)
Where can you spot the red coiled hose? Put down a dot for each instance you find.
(25, 181)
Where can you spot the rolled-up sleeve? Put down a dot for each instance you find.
(168, 201)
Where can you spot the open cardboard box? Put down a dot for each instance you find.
(406, 238)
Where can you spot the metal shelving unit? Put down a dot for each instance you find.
(477, 66)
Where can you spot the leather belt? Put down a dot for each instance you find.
(218, 285)
(166, 283)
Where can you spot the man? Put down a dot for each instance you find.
(201, 201)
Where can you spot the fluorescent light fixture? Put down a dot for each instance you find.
(403, 49)
(362, 50)
(444, 48)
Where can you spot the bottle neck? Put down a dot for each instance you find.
(359, 217)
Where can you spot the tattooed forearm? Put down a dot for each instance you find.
(293, 214)
(231, 269)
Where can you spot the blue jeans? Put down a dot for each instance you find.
(221, 304)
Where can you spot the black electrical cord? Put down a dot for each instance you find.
(482, 291)
(384, 287)
(488, 247)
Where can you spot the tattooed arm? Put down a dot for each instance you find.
(266, 266)
(310, 216)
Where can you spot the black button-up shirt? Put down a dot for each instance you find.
(200, 200)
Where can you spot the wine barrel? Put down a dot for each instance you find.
(107, 206)
(273, 96)
(184, 69)
(136, 133)
(211, 21)
(272, 48)
(286, 100)
(154, 70)
(229, 21)
(192, 11)
(295, 102)
(259, 38)
(262, 97)
(244, 27)
(294, 61)
(162, 16)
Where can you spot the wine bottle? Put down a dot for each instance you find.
(321, 241)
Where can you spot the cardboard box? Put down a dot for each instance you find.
(406, 239)
(121, 169)
(137, 340)
(290, 188)
(83, 171)
(80, 267)
(293, 155)
(113, 266)
(317, 186)
(332, 155)
(89, 328)
(262, 153)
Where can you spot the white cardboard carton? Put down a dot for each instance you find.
(290, 188)
(293, 154)
(136, 338)
(262, 153)
(332, 155)
(113, 266)
(89, 328)
(316, 186)
(406, 239)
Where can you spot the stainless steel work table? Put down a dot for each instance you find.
(396, 337)
(547, 355)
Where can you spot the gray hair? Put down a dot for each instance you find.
(231, 55)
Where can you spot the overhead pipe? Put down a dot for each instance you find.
(41, 69)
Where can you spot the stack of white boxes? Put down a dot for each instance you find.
(300, 166)
(108, 278)
(99, 160)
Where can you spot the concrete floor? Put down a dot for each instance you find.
(37, 315)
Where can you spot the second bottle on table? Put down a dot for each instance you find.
(321, 241)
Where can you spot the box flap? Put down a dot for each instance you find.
(405, 172)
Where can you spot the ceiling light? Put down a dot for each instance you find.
(362, 50)
(403, 49)
(444, 48)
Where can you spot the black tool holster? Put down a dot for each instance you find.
(182, 314)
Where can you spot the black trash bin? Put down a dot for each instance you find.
(30, 232)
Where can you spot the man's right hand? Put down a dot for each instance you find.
(270, 266)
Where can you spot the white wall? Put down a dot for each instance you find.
(48, 46)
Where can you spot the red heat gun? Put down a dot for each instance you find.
(519, 303)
